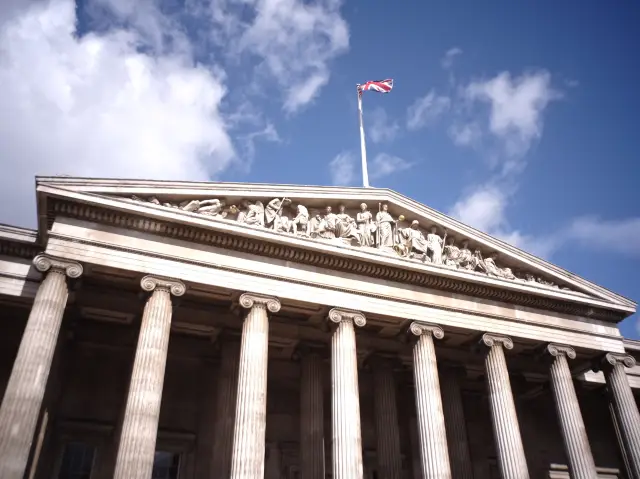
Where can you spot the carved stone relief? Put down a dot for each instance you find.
(380, 232)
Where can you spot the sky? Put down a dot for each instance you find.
(517, 118)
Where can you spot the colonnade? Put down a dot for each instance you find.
(239, 450)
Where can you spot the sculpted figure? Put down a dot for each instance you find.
(508, 274)
(327, 228)
(211, 207)
(251, 214)
(301, 220)
(282, 224)
(346, 226)
(547, 283)
(153, 200)
(490, 267)
(274, 209)
(476, 261)
(413, 239)
(316, 225)
(435, 243)
(384, 223)
(465, 259)
(452, 253)
(366, 226)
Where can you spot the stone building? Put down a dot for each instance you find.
(217, 330)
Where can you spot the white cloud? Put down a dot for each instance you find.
(465, 134)
(385, 165)
(483, 208)
(379, 127)
(589, 232)
(160, 32)
(620, 236)
(542, 246)
(343, 169)
(449, 57)
(294, 40)
(426, 110)
(97, 106)
(516, 107)
(268, 133)
(514, 121)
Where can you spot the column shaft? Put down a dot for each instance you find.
(345, 399)
(225, 409)
(416, 462)
(625, 406)
(574, 434)
(28, 381)
(251, 402)
(461, 466)
(311, 417)
(386, 419)
(434, 452)
(142, 412)
(511, 457)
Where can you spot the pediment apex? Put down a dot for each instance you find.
(463, 249)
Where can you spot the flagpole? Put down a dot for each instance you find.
(363, 147)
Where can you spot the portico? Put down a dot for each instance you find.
(248, 352)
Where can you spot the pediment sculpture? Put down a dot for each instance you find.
(380, 232)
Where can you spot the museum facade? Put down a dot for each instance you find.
(155, 329)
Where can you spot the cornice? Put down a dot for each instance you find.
(19, 242)
(10, 247)
(17, 234)
(271, 248)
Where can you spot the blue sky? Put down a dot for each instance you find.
(516, 117)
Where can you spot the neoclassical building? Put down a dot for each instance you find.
(216, 330)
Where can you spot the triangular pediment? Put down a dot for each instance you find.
(365, 223)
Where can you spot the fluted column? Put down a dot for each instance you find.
(511, 457)
(624, 405)
(251, 402)
(345, 398)
(142, 412)
(311, 415)
(386, 419)
(574, 434)
(434, 453)
(26, 387)
(461, 466)
(225, 408)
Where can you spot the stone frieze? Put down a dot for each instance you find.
(377, 231)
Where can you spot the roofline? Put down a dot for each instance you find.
(631, 345)
(18, 234)
(99, 183)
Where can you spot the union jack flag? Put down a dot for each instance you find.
(381, 86)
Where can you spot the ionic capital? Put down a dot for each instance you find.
(425, 328)
(615, 359)
(557, 350)
(45, 262)
(249, 300)
(158, 283)
(490, 340)
(337, 315)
